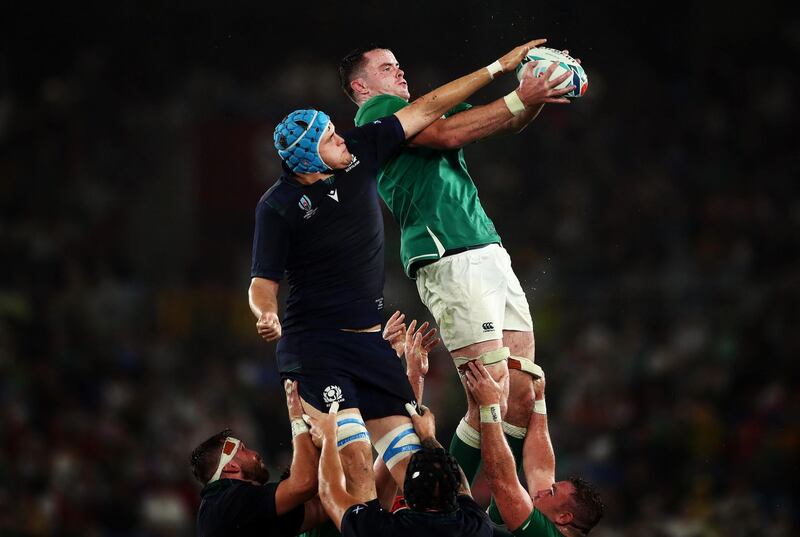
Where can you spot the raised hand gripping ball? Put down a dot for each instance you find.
(544, 56)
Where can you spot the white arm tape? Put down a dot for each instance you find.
(514, 103)
(298, 427)
(540, 407)
(494, 69)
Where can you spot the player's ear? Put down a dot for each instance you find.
(359, 86)
(231, 468)
(564, 518)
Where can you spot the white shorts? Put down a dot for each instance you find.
(474, 296)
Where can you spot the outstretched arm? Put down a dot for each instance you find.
(418, 343)
(332, 489)
(415, 343)
(431, 106)
(496, 117)
(538, 459)
(498, 462)
(425, 427)
(301, 485)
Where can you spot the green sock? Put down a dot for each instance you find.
(516, 445)
(468, 457)
(494, 513)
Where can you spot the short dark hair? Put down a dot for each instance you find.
(205, 457)
(432, 481)
(587, 508)
(352, 63)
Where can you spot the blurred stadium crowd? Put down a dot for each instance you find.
(655, 232)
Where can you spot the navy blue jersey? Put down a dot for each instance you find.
(327, 238)
(368, 520)
(236, 508)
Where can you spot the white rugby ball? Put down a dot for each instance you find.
(544, 57)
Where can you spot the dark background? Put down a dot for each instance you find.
(653, 224)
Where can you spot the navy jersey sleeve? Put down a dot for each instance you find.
(257, 512)
(365, 520)
(384, 135)
(475, 517)
(270, 243)
(469, 505)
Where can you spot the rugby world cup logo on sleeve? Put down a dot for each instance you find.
(332, 394)
(305, 205)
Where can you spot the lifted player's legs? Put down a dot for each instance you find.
(521, 371)
(465, 444)
(355, 451)
(395, 441)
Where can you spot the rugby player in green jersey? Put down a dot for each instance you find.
(448, 243)
(549, 508)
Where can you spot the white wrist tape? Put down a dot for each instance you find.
(514, 103)
(298, 427)
(540, 407)
(491, 414)
(494, 69)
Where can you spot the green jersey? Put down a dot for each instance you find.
(430, 194)
(537, 525)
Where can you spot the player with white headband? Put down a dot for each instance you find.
(237, 498)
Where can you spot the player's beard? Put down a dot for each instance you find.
(257, 472)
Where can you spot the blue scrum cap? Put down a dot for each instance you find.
(297, 140)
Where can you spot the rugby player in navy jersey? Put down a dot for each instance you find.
(320, 225)
(238, 500)
(438, 502)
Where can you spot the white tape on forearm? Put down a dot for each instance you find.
(491, 414)
(540, 407)
(298, 427)
(494, 69)
(514, 103)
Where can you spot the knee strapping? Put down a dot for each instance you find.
(468, 434)
(514, 431)
(488, 358)
(397, 444)
(525, 364)
(351, 429)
